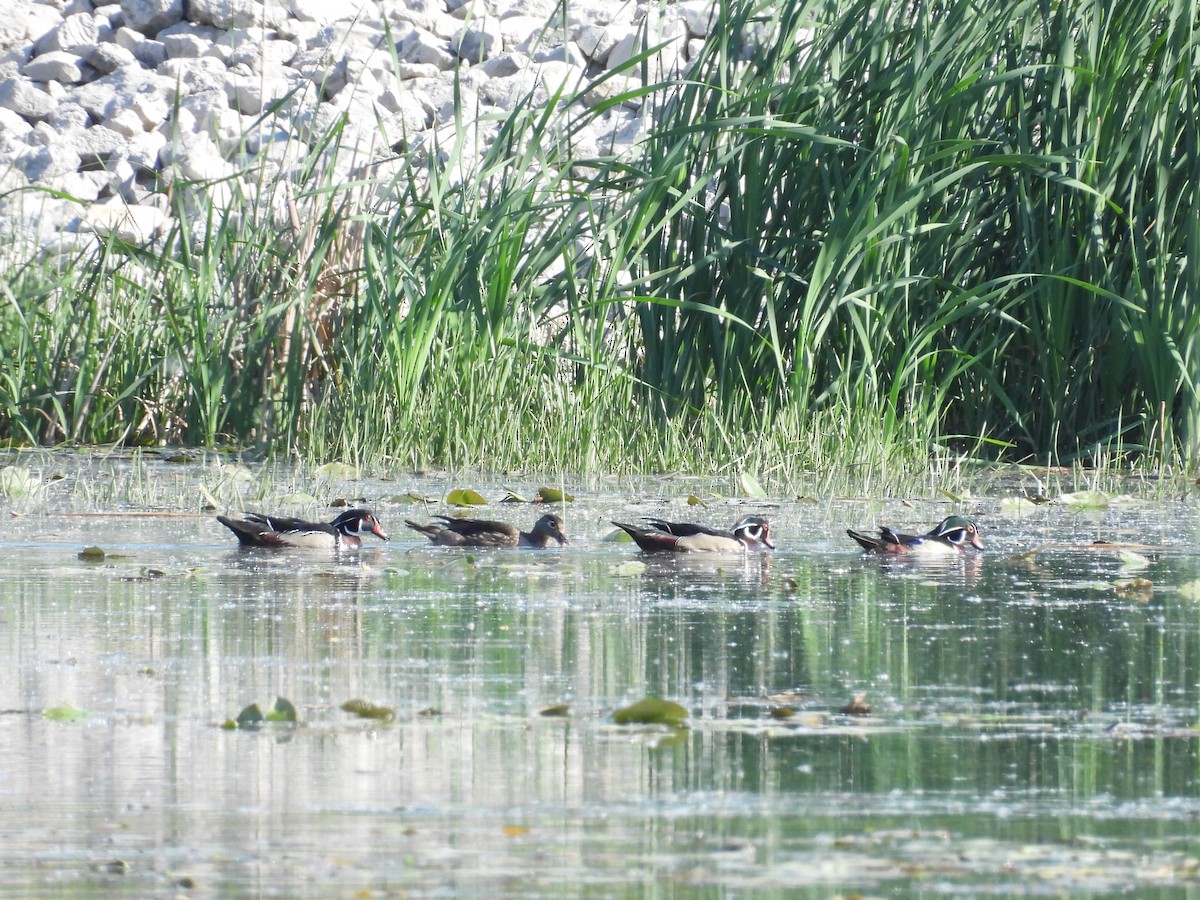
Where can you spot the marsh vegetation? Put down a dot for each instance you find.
(888, 233)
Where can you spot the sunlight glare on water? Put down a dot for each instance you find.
(1031, 725)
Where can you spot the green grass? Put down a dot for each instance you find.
(886, 237)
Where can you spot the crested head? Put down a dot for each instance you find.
(754, 532)
(358, 522)
(958, 531)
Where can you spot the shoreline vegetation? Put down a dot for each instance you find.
(880, 236)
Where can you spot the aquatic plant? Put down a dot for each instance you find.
(885, 237)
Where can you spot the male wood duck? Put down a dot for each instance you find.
(951, 535)
(343, 533)
(748, 533)
(485, 533)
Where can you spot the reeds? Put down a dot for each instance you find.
(886, 232)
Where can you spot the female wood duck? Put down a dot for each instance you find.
(748, 533)
(951, 535)
(485, 533)
(343, 533)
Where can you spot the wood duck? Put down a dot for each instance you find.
(951, 535)
(748, 533)
(485, 533)
(343, 533)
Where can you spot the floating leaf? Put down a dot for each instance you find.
(17, 482)
(1189, 590)
(751, 487)
(65, 713)
(552, 495)
(620, 536)
(1085, 500)
(366, 710)
(429, 712)
(693, 500)
(782, 712)
(651, 711)
(465, 497)
(338, 503)
(515, 830)
(250, 717)
(92, 554)
(282, 711)
(1132, 562)
(950, 494)
(557, 711)
(511, 496)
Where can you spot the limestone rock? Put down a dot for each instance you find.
(151, 16)
(22, 97)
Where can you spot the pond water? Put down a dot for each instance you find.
(1032, 724)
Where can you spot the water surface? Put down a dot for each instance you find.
(1032, 727)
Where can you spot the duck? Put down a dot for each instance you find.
(343, 533)
(949, 536)
(486, 533)
(748, 533)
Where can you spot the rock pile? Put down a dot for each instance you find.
(108, 103)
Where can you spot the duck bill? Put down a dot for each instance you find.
(976, 542)
(380, 533)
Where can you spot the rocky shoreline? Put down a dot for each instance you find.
(105, 105)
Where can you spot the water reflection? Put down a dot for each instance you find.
(1020, 708)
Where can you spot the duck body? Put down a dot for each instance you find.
(949, 537)
(343, 533)
(486, 533)
(748, 533)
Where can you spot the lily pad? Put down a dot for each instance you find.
(751, 487)
(282, 711)
(366, 710)
(1189, 590)
(297, 499)
(651, 711)
(465, 497)
(92, 554)
(693, 500)
(552, 495)
(511, 496)
(1085, 500)
(557, 711)
(65, 713)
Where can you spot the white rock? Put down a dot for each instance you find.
(123, 89)
(94, 145)
(149, 53)
(480, 39)
(264, 55)
(39, 20)
(423, 48)
(597, 41)
(105, 58)
(68, 115)
(12, 126)
(57, 65)
(424, 14)
(136, 224)
(22, 97)
(151, 16)
(81, 186)
(224, 13)
(126, 123)
(186, 46)
(699, 16)
(143, 150)
(43, 163)
(12, 24)
(76, 34)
